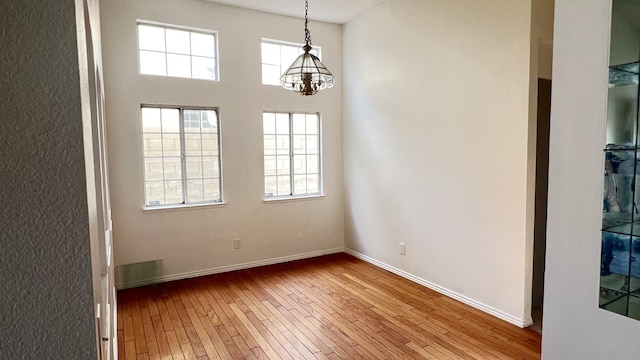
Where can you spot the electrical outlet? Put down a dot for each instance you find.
(402, 249)
(236, 243)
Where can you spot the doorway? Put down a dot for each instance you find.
(540, 217)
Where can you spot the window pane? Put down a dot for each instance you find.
(166, 51)
(300, 184)
(203, 44)
(299, 123)
(284, 186)
(192, 121)
(209, 121)
(171, 144)
(153, 63)
(192, 144)
(313, 184)
(270, 188)
(269, 165)
(194, 167)
(282, 124)
(210, 168)
(269, 144)
(173, 192)
(153, 169)
(210, 144)
(203, 67)
(282, 144)
(178, 65)
(150, 38)
(211, 189)
(269, 123)
(313, 164)
(154, 192)
(299, 144)
(172, 168)
(271, 74)
(152, 145)
(170, 120)
(295, 161)
(151, 120)
(312, 124)
(195, 191)
(282, 166)
(271, 54)
(299, 164)
(178, 41)
(174, 153)
(312, 144)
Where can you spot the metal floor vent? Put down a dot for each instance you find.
(138, 274)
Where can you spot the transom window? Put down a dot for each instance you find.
(181, 156)
(178, 52)
(292, 160)
(277, 56)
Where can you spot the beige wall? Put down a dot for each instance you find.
(200, 240)
(436, 137)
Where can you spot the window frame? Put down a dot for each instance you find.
(166, 26)
(292, 196)
(183, 159)
(316, 50)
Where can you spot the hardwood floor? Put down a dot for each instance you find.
(331, 307)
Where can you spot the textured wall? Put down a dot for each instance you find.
(46, 298)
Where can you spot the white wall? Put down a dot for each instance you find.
(574, 326)
(436, 146)
(193, 241)
(47, 217)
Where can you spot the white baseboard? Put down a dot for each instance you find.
(452, 294)
(223, 269)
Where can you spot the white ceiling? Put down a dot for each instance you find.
(335, 11)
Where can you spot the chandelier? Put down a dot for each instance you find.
(307, 75)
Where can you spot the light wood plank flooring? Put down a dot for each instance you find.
(331, 307)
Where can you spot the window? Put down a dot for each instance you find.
(181, 156)
(169, 51)
(291, 154)
(277, 56)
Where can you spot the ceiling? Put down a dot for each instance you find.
(334, 11)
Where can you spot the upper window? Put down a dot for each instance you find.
(291, 154)
(277, 56)
(172, 51)
(181, 156)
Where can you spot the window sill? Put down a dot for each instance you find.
(293, 198)
(154, 209)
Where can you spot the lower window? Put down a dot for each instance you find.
(181, 156)
(292, 159)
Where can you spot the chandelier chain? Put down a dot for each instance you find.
(307, 33)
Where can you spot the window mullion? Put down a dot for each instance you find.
(291, 171)
(183, 159)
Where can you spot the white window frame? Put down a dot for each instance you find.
(191, 30)
(183, 160)
(317, 51)
(291, 154)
